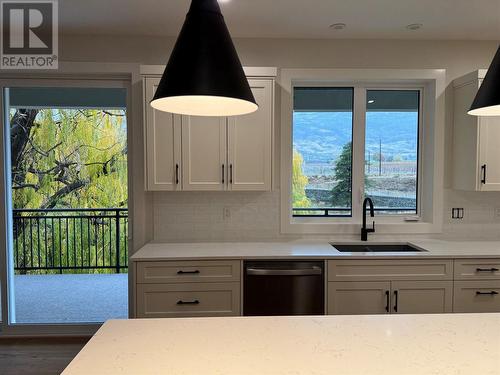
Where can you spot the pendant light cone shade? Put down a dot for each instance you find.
(487, 100)
(204, 76)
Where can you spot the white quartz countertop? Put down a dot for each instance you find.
(458, 344)
(310, 249)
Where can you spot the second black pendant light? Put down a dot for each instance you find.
(204, 75)
(487, 100)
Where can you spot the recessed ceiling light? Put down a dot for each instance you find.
(338, 26)
(414, 26)
(371, 101)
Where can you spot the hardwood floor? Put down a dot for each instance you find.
(40, 356)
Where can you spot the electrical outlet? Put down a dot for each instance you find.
(457, 213)
(226, 213)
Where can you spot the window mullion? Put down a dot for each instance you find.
(358, 152)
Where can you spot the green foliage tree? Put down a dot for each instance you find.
(299, 182)
(341, 193)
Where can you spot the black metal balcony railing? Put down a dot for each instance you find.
(345, 211)
(70, 240)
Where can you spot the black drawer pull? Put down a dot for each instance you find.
(492, 293)
(483, 170)
(195, 302)
(188, 272)
(387, 300)
(396, 295)
(492, 269)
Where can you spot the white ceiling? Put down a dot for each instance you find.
(365, 19)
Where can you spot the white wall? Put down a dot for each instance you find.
(198, 216)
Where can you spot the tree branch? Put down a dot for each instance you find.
(112, 114)
(54, 199)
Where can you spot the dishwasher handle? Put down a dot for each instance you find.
(314, 270)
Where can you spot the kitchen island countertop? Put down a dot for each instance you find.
(465, 344)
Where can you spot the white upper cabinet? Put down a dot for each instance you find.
(476, 140)
(210, 153)
(250, 142)
(163, 145)
(204, 153)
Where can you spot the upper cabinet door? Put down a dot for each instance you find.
(250, 142)
(489, 153)
(204, 153)
(163, 145)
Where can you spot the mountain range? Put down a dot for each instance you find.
(320, 136)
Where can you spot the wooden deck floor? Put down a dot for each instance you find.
(40, 356)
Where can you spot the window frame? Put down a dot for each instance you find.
(69, 75)
(431, 85)
(420, 134)
(353, 90)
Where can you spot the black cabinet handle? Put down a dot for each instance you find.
(492, 269)
(230, 173)
(396, 301)
(483, 170)
(187, 272)
(195, 302)
(223, 173)
(177, 174)
(492, 293)
(387, 300)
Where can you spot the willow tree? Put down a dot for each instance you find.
(68, 158)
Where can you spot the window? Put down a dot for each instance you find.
(322, 151)
(391, 150)
(323, 134)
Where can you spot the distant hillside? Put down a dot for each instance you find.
(319, 136)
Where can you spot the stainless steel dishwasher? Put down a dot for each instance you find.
(283, 288)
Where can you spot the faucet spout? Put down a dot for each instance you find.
(364, 229)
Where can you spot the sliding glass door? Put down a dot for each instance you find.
(66, 203)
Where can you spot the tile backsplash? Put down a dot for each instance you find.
(481, 215)
(216, 216)
(254, 216)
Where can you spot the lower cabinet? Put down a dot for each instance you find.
(477, 296)
(187, 288)
(194, 299)
(191, 288)
(395, 297)
(421, 297)
(362, 297)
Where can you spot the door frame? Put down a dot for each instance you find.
(70, 74)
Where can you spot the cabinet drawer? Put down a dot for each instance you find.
(476, 296)
(188, 271)
(478, 269)
(372, 270)
(178, 300)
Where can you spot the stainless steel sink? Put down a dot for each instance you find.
(376, 248)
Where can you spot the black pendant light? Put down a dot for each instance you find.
(487, 100)
(204, 76)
